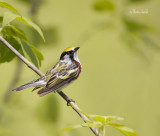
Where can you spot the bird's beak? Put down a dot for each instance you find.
(75, 49)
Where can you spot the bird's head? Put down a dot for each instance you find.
(70, 54)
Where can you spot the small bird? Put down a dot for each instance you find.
(61, 75)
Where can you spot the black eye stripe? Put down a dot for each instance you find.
(70, 52)
(66, 53)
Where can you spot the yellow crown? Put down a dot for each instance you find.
(67, 49)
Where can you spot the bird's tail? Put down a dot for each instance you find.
(37, 82)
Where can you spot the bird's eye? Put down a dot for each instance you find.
(70, 52)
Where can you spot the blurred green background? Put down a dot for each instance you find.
(120, 56)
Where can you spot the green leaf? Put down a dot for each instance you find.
(5, 54)
(104, 5)
(7, 18)
(13, 31)
(105, 119)
(31, 24)
(123, 129)
(100, 124)
(8, 6)
(29, 54)
(37, 53)
(126, 131)
(98, 118)
(50, 33)
(72, 127)
(95, 124)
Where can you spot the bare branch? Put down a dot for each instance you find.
(35, 69)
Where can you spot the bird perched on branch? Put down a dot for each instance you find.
(61, 75)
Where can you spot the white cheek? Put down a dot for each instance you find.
(76, 56)
(66, 59)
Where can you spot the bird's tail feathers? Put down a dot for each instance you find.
(37, 82)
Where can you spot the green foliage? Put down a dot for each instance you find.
(13, 31)
(9, 17)
(8, 6)
(17, 37)
(37, 53)
(5, 54)
(50, 33)
(29, 54)
(123, 129)
(31, 24)
(104, 5)
(101, 122)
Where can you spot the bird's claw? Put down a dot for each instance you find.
(70, 100)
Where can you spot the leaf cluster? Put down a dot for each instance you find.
(101, 122)
(16, 37)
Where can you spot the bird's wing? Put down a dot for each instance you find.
(62, 76)
(59, 79)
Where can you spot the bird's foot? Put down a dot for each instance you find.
(70, 100)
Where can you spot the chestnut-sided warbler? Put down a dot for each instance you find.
(62, 74)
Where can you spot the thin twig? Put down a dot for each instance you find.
(35, 69)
